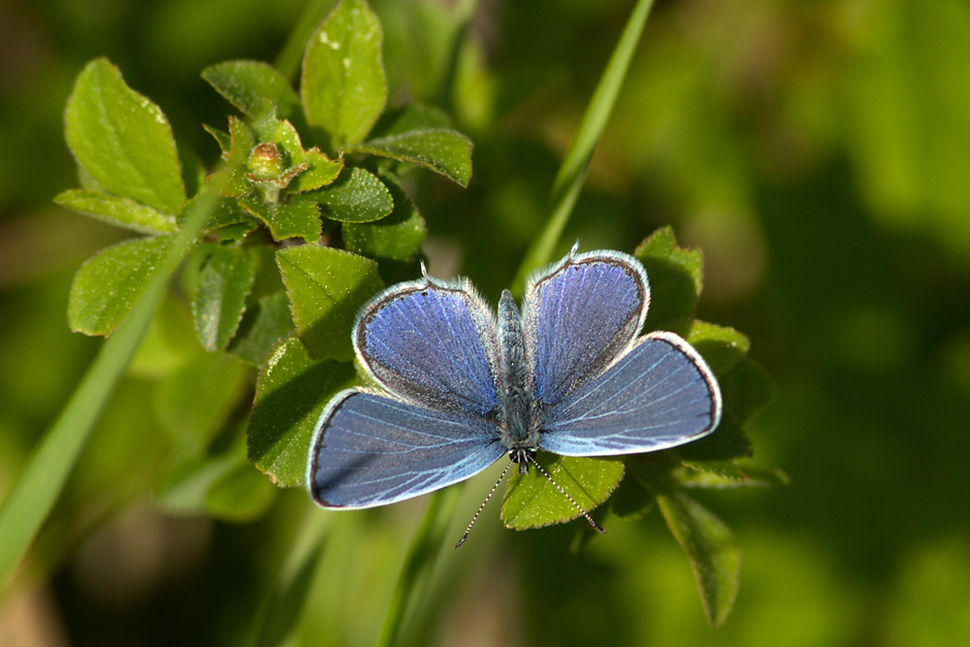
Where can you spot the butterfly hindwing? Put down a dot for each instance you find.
(370, 450)
(659, 395)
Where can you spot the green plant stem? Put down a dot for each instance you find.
(33, 494)
(418, 563)
(572, 172)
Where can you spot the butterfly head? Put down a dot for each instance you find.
(522, 456)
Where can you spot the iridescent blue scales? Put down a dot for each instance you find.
(462, 387)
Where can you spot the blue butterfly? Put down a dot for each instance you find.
(462, 388)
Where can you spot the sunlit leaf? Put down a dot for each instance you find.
(225, 281)
(442, 150)
(294, 219)
(231, 180)
(123, 140)
(326, 288)
(413, 116)
(319, 170)
(247, 84)
(120, 212)
(397, 237)
(532, 501)
(357, 196)
(110, 283)
(225, 213)
(222, 138)
(343, 84)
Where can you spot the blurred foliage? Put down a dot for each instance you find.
(816, 152)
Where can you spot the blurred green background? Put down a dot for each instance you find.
(818, 152)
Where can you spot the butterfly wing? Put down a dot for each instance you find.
(370, 450)
(660, 394)
(433, 343)
(580, 315)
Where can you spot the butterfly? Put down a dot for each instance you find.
(460, 387)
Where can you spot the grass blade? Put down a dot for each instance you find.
(34, 493)
(572, 172)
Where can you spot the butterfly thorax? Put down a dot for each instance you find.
(517, 419)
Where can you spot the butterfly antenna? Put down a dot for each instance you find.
(543, 471)
(482, 507)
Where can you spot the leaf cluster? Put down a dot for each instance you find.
(311, 217)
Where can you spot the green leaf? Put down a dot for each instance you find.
(222, 485)
(122, 140)
(222, 138)
(291, 392)
(726, 469)
(413, 116)
(263, 325)
(532, 501)
(109, 284)
(320, 170)
(226, 212)
(247, 84)
(326, 288)
(442, 150)
(295, 219)
(713, 552)
(721, 346)
(231, 181)
(356, 196)
(225, 282)
(676, 276)
(747, 389)
(120, 212)
(720, 475)
(397, 237)
(343, 85)
(193, 403)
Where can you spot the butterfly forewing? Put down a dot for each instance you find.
(371, 450)
(432, 343)
(661, 394)
(579, 316)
